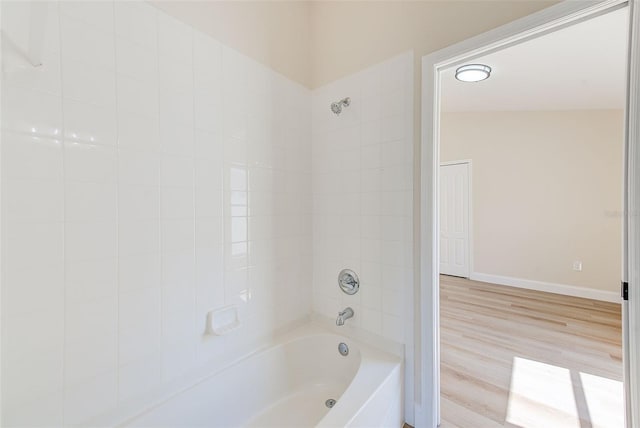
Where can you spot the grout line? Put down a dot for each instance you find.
(194, 193)
(159, 180)
(64, 222)
(117, 206)
(224, 167)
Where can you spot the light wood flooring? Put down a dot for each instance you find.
(522, 358)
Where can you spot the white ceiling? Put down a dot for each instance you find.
(579, 67)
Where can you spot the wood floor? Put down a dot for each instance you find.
(521, 358)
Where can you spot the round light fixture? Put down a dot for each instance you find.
(473, 72)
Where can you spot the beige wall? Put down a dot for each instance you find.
(348, 36)
(547, 190)
(316, 42)
(275, 33)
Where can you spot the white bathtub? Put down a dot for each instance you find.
(287, 385)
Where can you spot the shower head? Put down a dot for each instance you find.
(337, 106)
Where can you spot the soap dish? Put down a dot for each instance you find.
(223, 321)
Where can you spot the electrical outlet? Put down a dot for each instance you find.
(577, 265)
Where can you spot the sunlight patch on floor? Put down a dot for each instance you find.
(541, 395)
(605, 400)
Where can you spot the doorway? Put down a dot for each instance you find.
(548, 167)
(433, 67)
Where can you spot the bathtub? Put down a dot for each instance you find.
(288, 385)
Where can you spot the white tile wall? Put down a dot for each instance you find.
(149, 175)
(362, 195)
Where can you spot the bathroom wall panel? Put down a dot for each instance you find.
(362, 195)
(150, 174)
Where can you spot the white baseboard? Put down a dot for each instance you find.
(549, 287)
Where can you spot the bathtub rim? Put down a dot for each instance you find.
(298, 330)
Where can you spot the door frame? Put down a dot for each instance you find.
(426, 318)
(469, 163)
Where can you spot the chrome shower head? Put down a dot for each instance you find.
(337, 106)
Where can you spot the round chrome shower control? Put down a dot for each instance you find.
(348, 281)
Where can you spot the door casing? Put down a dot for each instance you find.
(426, 352)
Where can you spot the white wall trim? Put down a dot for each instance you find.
(549, 287)
(2, 283)
(631, 309)
(426, 319)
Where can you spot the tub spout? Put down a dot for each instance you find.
(343, 316)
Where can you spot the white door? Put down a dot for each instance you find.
(454, 219)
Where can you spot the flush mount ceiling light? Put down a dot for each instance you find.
(473, 72)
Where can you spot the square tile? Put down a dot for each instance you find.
(175, 40)
(178, 269)
(139, 271)
(87, 359)
(177, 203)
(89, 163)
(90, 240)
(91, 398)
(90, 279)
(138, 237)
(31, 112)
(177, 171)
(98, 15)
(29, 245)
(136, 60)
(86, 320)
(82, 40)
(138, 95)
(33, 201)
(35, 375)
(93, 124)
(88, 83)
(137, 22)
(31, 157)
(138, 167)
(88, 201)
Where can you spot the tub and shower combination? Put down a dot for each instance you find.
(309, 377)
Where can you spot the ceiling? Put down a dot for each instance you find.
(581, 67)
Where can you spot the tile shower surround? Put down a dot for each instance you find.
(362, 166)
(151, 174)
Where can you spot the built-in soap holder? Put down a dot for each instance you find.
(223, 320)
